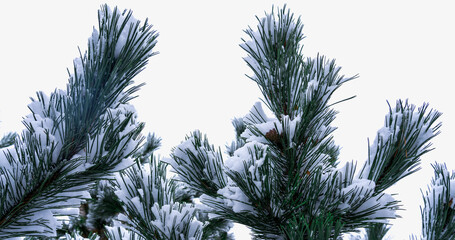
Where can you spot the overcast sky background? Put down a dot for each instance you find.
(400, 49)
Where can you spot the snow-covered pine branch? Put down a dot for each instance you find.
(438, 214)
(200, 167)
(287, 79)
(281, 177)
(76, 136)
(7, 140)
(151, 210)
(396, 151)
(199, 164)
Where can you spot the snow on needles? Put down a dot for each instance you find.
(442, 185)
(175, 221)
(235, 198)
(124, 22)
(125, 116)
(32, 166)
(406, 127)
(274, 31)
(259, 125)
(438, 199)
(41, 123)
(196, 160)
(146, 197)
(359, 197)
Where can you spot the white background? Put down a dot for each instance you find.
(400, 50)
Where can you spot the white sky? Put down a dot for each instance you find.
(400, 50)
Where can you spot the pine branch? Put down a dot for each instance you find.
(399, 145)
(323, 227)
(283, 155)
(377, 231)
(120, 233)
(284, 166)
(76, 136)
(289, 83)
(98, 211)
(150, 210)
(103, 206)
(239, 127)
(198, 164)
(7, 140)
(152, 144)
(274, 57)
(216, 229)
(281, 177)
(438, 214)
